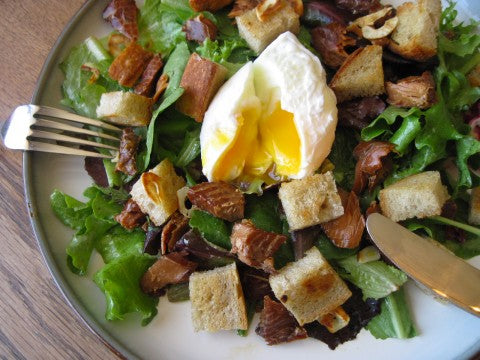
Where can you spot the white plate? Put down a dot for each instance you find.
(445, 331)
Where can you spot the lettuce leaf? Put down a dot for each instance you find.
(332, 252)
(78, 93)
(376, 279)
(160, 24)
(211, 228)
(119, 242)
(119, 280)
(394, 321)
(342, 159)
(174, 69)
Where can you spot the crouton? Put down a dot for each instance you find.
(419, 195)
(217, 300)
(309, 288)
(130, 64)
(310, 201)
(259, 35)
(208, 5)
(201, 80)
(125, 108)
(415, 36)
(474, 213)
(335, 320)
(156, 192)
(361, 74)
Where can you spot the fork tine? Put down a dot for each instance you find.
(65, 127)
(58, 149)
(54, 136)
(62, 114)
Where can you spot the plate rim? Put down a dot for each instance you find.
(56, 274)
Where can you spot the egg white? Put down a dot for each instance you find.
(285, 72)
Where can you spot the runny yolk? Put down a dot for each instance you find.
(279, 136)
(258, 144)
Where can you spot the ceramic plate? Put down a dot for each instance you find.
(445, 331)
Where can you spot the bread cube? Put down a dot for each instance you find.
(419, 195)
(125, 108)
(415, 36)
(360, 75)
(217, 300)
(474, 213)
(156, 192)
(259, 35)
(201, 80)
(309, 288)
(310, 201)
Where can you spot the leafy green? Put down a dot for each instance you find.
(178, 292)
(174, 69)
(330, 251)
(79, 94)
(264, 212)
(376, 279)
(69, 210)
(342, 159)
(231, 53)
(160, 24)
(119, 280)
(394, 321)
(119, 242)
(190, 149)
(213, 229)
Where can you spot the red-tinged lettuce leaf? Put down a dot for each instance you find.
(119, 280)
(394, 321)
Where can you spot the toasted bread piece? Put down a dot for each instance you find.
(474, 213)
(156, 192)
(201, 80)
(217, 300)
(208, 5)
(125, 108)
(259, 35)
(415, 36)
(419, 195)
(361, 74)
(310, 201)
(309, 288)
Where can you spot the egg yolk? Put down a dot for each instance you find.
(261, 143)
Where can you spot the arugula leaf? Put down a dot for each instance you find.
(174, 69)
(190, 149)
(394, 321)
(119, 280)
(376, 279)
(213, 229)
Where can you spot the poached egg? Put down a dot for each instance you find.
(273, 120)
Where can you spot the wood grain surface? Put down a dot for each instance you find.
(35, 320)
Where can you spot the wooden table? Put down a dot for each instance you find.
(35, 320)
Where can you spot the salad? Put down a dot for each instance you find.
(247, 159)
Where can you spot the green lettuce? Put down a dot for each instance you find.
(119, 280)
(211, 228)
(394, 321)
(332, 252)
(174, 69)
(78, 93)
(342, 159)
(375, 278)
